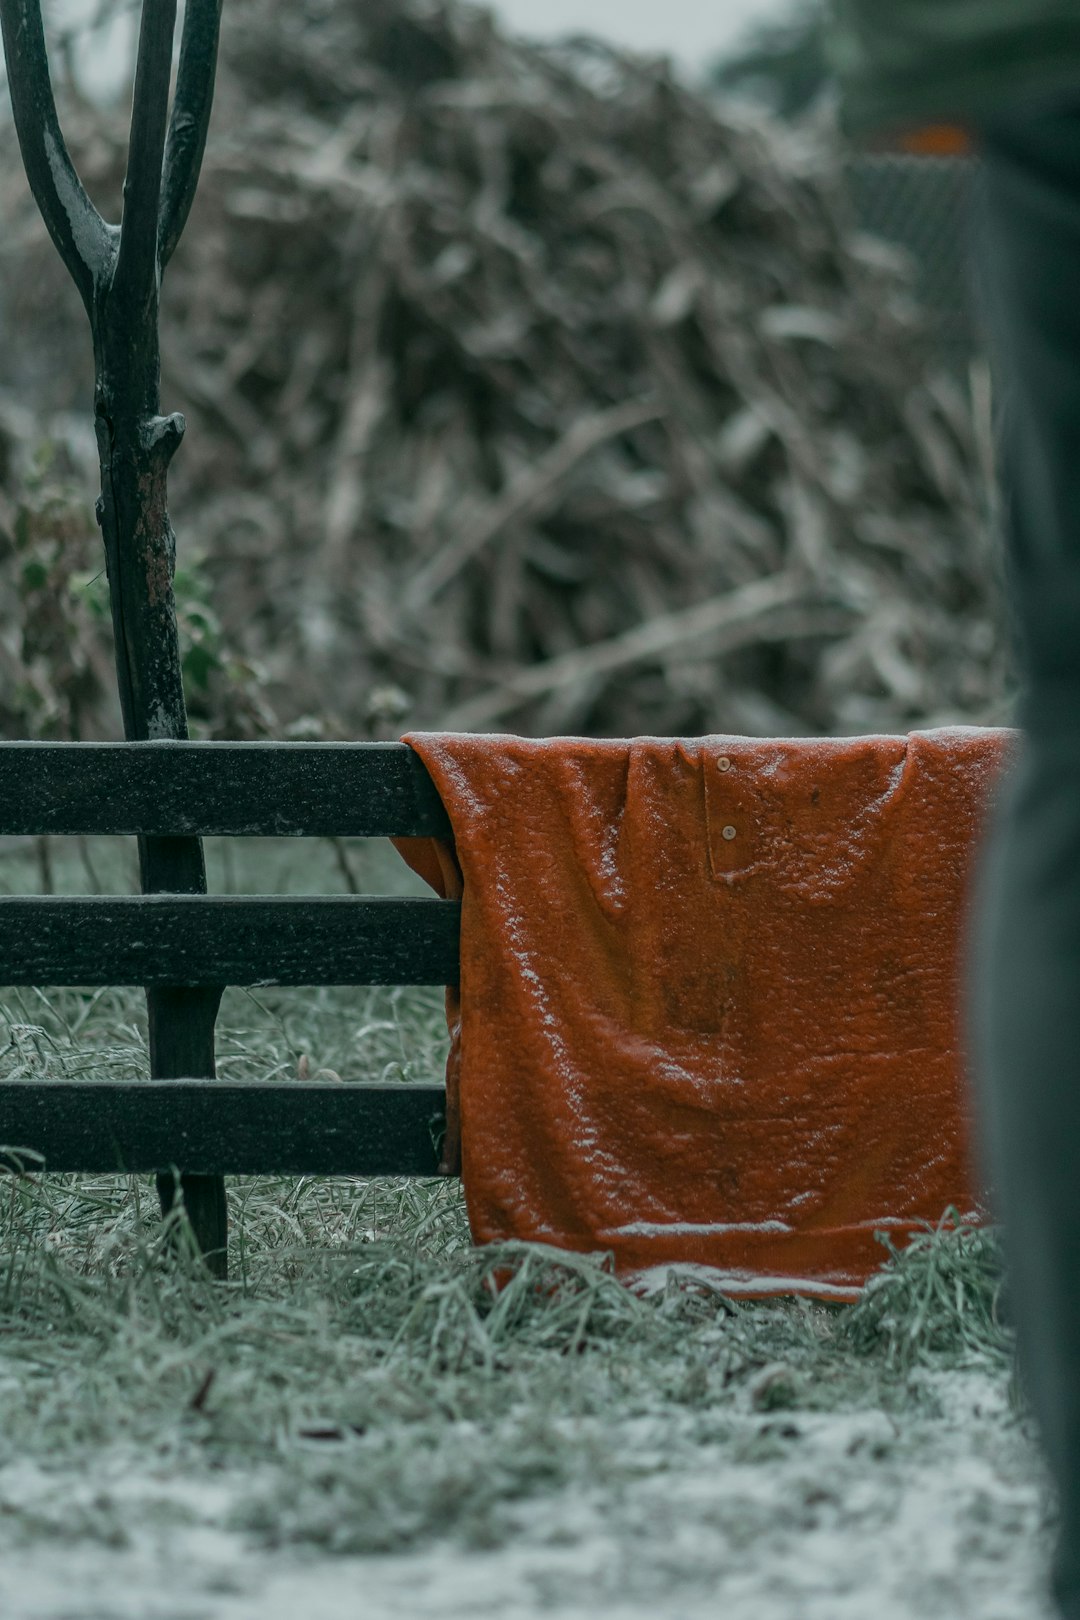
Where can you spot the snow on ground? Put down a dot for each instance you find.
(752, 1515)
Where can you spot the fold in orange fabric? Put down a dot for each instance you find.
(710, 994)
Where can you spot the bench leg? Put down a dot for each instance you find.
(182, 1048)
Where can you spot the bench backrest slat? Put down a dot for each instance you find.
(363, 790)
(218, 1128)
(228, 939)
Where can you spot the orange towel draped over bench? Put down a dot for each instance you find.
(710, 993)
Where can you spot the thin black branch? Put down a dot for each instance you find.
(190, 121)
(137, 265)
(82, 238)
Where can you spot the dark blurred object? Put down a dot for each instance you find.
(909, 63)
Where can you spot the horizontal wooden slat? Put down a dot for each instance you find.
(363, 790)
(215, 1128)
(228, 939)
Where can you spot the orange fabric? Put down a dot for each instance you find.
(938, 140)
(709, 993)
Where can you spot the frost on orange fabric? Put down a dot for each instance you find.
(710, 993)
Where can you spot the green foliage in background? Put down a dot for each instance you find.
(56, 648)
(781, 62)
(55, 636)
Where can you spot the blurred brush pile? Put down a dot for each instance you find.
(529, 390)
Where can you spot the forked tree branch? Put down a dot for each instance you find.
(119, 285)
(190, 120)
(137, 265)
(82, 238)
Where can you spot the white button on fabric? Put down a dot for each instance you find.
(729, 833)
(723, 764)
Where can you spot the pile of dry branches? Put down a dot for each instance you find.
(529, 390)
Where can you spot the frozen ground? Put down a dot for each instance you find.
(758, 1516)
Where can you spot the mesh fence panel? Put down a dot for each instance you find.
(923, 205)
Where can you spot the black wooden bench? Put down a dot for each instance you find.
(195, 1124)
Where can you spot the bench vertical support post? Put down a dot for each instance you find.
(181, 1047)
(118, 270)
